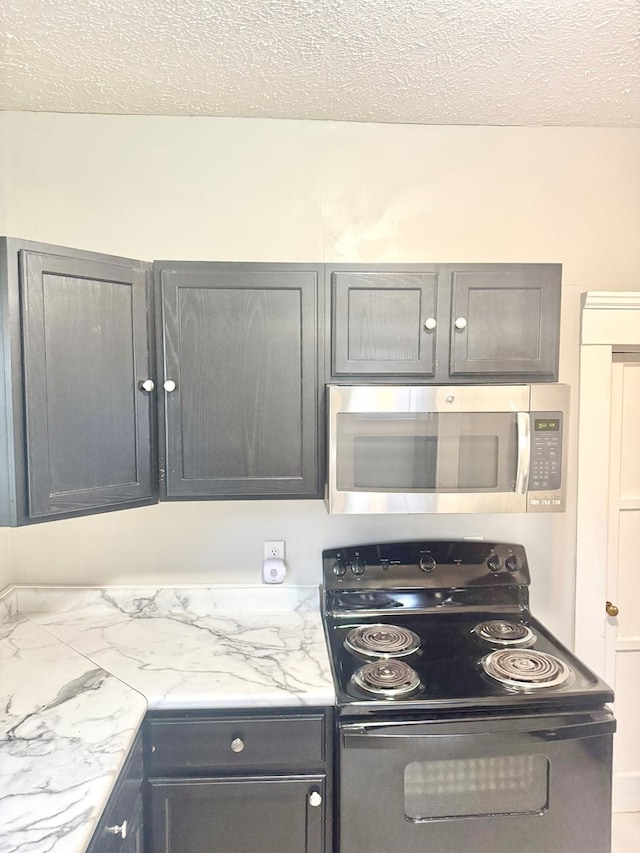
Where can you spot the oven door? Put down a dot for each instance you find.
(494, 785)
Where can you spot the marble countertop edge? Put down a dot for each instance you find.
(8, 602)
(52, 598)
(242, 701)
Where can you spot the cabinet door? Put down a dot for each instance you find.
(383, 322)
(134, 840)
(240, 416)
(258, 814)
(127, 836)
(506, 321)
(86, 355)
(120, 829)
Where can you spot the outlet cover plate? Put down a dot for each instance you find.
(274, 549)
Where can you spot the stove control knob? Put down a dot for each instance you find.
(427, 564)
(338, 569)
(493, 562)
(358, 567)
(511, 563)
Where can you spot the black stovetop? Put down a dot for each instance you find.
(442, 604)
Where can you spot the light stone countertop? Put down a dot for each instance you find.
(80, 666)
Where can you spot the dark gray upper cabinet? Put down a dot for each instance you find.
(77, 329)
(505, 321)
(239, 366)
(384, 321)
(445, 323)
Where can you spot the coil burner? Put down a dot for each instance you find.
(382, 641)
(525, 669)
(503, 633)
(391, 679)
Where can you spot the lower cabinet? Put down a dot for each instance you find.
(239, 783)
(261, 814)
(121, 827)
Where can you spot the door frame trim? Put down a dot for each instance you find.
(609, 323)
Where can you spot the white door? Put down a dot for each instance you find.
(622, 633)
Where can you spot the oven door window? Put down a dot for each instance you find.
(434, 452)
(475, 787)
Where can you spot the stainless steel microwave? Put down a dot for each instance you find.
(447, 449)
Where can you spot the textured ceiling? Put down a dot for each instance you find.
(496, 62)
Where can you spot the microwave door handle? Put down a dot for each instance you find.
(524, 452)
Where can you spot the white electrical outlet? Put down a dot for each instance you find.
(274, 550)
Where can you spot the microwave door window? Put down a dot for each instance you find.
(488, 452)
(469, 463)
(426, 452)
(387, 452)
(395, 463)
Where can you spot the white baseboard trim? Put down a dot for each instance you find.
(626, 792)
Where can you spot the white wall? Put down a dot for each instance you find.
(234, 189)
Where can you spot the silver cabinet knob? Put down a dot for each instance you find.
(430, 324)
(315, 799)
(460, 323)
(148, 385)
(237, 744)
(118, 830)
(169, 385)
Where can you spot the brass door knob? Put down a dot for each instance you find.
(612, 610)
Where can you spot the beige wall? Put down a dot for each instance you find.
(5, 569)
(232, 189)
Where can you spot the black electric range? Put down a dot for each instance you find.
(462, 723)
(444, 625)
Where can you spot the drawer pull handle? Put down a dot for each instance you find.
(315, 799)
(118, 830)
(237, 744)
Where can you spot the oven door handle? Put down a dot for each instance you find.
(523, 425)
(365, 736)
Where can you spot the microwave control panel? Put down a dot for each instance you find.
(546, 451)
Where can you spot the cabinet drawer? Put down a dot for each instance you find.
(223, 744)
